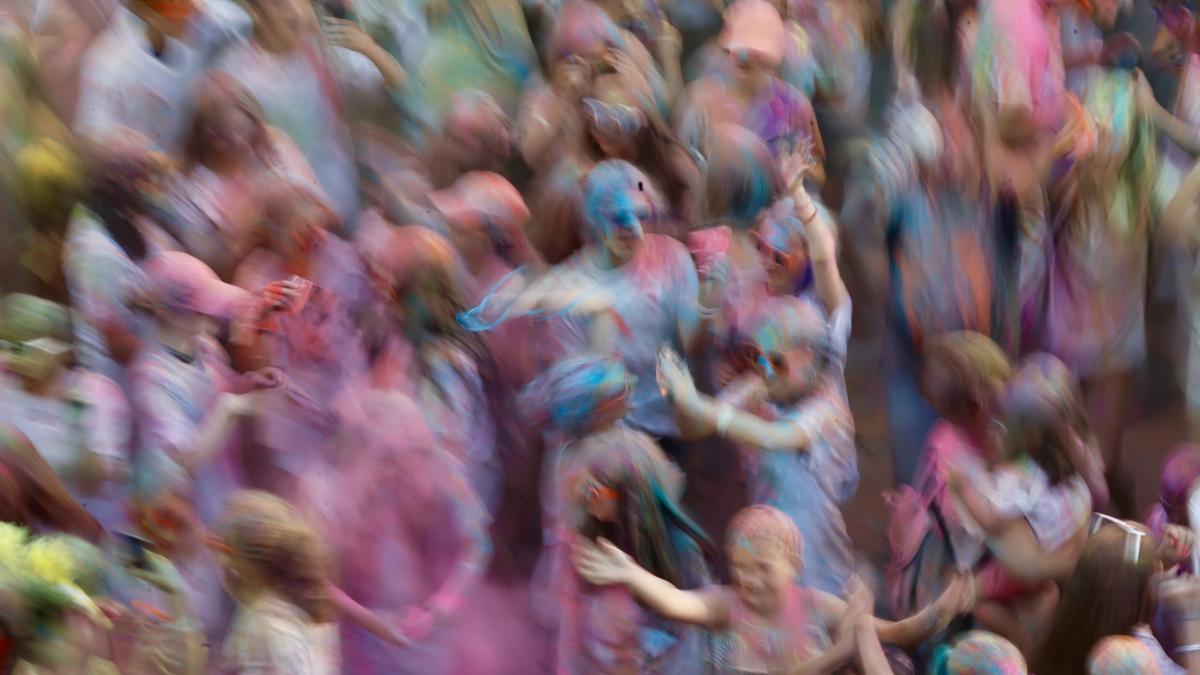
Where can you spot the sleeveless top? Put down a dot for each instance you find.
(750, 646)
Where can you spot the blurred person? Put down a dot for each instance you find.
(311, 337)
(1175, 44)
(796, 258)
(978, 653)
(918, 183)
(799, 68)
(578, 404)
(111, 234)
(187, 398)
(649, 278)
(40, 176)
(552, 130)
(613, 116)
(764, 621)
(1115, 582)
(407, 531)
(649, 23)
(626, 493)
(741, 183)
(79, 421)
(299, 88)
(424, 351)
(174, 585)
(1177, 229)
(1096, 323)
(139, 73)
(225, 151)
(485, 217)
(474, 135)
(475, 45)
(752, 94)
(1119, 654)
(583, 32)
(1035, 479)
(277, 568)
(1177, 504)
(34, 496)
(51, 604)
(792, 421)
(928, 535)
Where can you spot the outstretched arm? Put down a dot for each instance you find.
(911, 632)
(701, 415)
(1016, 548)
(601, 563)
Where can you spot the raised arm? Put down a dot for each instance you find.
(822, 243)
(603, 564)
(701, 415)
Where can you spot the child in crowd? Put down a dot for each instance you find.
(764, 622)
(793, 419)
(1035, 481)
(277, 568)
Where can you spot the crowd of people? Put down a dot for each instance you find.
(322, 320)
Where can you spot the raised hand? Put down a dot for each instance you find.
(674, 380)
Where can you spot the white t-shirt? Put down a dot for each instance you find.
(124, 85)
(1054, 512)
(101, 279)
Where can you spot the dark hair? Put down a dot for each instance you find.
(1109, 594)
(933, 45)
(650, 526)
(220, 94)
(116, 194)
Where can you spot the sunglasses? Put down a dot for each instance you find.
(772, 256)
(595, 492)
(770, 364)
(1133, 535)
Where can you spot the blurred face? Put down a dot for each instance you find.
(1168, 51)
(304, 226)
(231, 130)
(751, 68)
(477, 141)
(761, 578)
(621, 227)
(783, 256)
(283, 20)
(789, 374)
(600, 501)
(170, 525)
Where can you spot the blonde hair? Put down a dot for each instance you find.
(267, 534)
(765, 529)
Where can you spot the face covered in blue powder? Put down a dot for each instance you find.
(617, 200)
